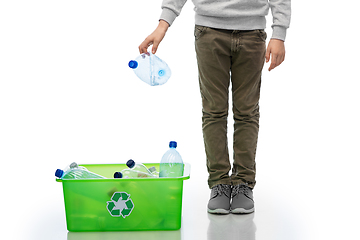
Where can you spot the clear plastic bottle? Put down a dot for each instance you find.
(171, 164)
(137, 166)
(153, 171)
(74, 171)
(129, 173)
(150, 69)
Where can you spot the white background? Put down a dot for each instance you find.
(66, 94)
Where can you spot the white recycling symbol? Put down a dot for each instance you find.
(120, 205)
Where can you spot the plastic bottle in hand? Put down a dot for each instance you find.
(171, 164)
(150, 69)
(74, 171)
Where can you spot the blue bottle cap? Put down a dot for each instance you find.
(173, 144)
(133, 64)
(161, 73)
(117, 175)
(59, 173)
(130, 163)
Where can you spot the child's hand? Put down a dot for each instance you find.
(155, 38)
(276, 49)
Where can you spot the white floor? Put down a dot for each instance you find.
(287, 212)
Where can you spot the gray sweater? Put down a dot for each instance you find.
(234, 14)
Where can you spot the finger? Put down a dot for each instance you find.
(274, 59)
(144, 46)
(143, 50)
(155, 47)
(280, 60)
(272, 66)
(153, 50)
(267, 55)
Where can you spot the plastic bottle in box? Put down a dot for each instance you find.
(137, 166)
(129, 173)
(171, 164)
(74, 171)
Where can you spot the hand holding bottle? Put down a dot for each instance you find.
(154, 38)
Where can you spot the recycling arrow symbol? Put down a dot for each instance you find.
(120, 205)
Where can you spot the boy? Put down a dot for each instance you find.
(230, 47)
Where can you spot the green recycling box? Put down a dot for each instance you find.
(123, 204)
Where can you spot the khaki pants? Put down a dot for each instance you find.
(226, 56)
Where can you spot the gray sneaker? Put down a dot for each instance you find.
(220, 199)
(242, 199)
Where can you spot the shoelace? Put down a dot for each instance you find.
(221, 189)
(242, 188)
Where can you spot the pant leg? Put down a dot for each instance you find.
(247, 62)
(214, 63)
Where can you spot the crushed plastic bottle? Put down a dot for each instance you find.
(151, 69)
(74, 171)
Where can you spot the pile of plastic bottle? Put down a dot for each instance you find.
(171, 165)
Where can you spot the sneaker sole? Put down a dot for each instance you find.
(219, 211)
(242, 210)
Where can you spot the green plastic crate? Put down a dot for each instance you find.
(123, 204)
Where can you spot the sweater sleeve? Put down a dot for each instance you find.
(281, 12)
(171, 9)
